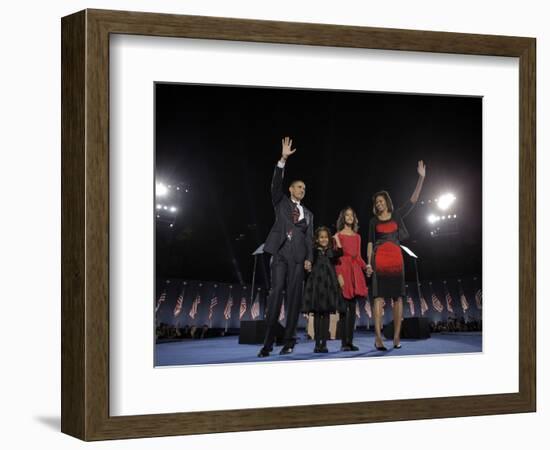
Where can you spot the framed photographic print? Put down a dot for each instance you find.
(254, 211)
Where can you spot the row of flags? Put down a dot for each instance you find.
(449, 303)
(436, 304)
(193, 310)
(424, 308)
(255, 308)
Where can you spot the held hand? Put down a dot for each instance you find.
(421, 169)
(307, 265)
(287, 148)
(369, 270)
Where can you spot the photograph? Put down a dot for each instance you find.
(255, 207)
(296, 224)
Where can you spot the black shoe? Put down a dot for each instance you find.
(323, 349)
(345, 348)
(286, 350)
(263, 352)
(397, 346)
(317, 349)
(380, 349)
(353, 348)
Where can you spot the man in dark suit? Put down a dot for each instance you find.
(290, 242)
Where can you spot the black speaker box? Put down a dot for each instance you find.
(411, 328)
(253, 332)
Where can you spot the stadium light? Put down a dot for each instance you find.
(173, 209)
(161, 190)
(432, 218)
(445, 201)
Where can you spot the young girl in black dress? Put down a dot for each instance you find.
(322, 294)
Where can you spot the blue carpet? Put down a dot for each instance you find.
(226, 349)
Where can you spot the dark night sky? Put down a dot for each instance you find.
(223, 142)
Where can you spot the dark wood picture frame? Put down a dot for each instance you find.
(85, 224)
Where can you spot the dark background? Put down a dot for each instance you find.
(221, 144)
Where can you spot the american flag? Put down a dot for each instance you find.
(179, 305)
(243, 308)
(423, 305)
(255, 310)
(464, 302)
(282, 313)
(195, 307)
(411, 305)
(227, 309)
(357, 310)
(478, 299)
(160, 301)
(436, 303)
(449, 302)
(213, 303)
(368, 309)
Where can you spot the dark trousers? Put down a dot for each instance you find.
(320, 328)
(347, 322)
(287, 275)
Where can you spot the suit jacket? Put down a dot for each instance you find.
(283, 219)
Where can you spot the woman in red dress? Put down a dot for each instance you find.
(386, 231)
(349, 269)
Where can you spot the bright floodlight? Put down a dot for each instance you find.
(161, 189)
(159, 206)
(173, 209)
(432, 218)
(445, 201)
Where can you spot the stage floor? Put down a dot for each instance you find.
(227, 350)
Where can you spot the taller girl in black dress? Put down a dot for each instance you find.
(385, 260)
